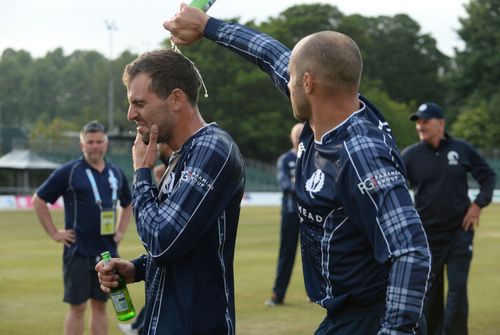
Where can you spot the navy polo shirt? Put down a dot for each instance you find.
(439, 178)
(81, 212)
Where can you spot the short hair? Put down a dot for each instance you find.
(333, 56)
(168, 70)
(93, 126)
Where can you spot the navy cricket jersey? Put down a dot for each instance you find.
(441, 188)
(81, 212)
(363, 245)
(188, 228)
(286, 179)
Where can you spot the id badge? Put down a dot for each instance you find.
(107, 222)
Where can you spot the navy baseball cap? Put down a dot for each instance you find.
(428, 110)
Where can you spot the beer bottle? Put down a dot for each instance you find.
(120, 296)
(204, 5)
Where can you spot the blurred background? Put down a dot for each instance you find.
(44, 100)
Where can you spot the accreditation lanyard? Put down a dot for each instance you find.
(108, 217)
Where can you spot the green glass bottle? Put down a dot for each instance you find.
(120, 296)
(204, 5)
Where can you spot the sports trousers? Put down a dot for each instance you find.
(289, 238)
(455, 256)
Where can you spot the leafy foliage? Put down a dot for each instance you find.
(473, 85)
(406, 62)
(403, 68)
(473, 124)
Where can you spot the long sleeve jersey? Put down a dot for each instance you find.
(285, 166)
(188, 228)
(363, 245)
(441, 189)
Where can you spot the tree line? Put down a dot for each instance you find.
(402, 69)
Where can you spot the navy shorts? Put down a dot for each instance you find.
(80, 280)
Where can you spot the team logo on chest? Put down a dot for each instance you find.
(452, 158)
(315, 183)
(301, 150)
(168, 184)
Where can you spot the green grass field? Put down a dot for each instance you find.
(31, 279)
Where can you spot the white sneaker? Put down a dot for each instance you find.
(273, 302)
(127, 329)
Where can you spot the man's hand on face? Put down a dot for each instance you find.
(144, 155)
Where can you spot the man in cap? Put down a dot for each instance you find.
(437, 168)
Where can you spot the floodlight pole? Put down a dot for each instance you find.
(110, 26)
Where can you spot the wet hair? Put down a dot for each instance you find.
(168, 70)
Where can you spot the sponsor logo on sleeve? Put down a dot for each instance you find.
(196, 179)
(375, 182)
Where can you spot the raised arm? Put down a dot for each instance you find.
(190, 25)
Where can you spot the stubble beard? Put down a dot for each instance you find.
(145, 138)
(162, 138)
(301, 112)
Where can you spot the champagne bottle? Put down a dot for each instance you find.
(204, 5)
(120, 296)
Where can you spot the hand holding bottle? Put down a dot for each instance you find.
(113, 275)
(109, 273)
(203, 5)
(187, 25)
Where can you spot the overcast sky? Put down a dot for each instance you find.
(40, 26)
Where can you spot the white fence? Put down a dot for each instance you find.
(11, 202)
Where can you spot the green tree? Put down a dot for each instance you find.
(405, 61)
(476, 74)
(120, 92)
(478, 65)
(13, 70)
(42, 88)
(51, 130)
(396, 113)
(402, 68)
(242, 100)
(474, 125)
(83, 86)
(301, 20)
